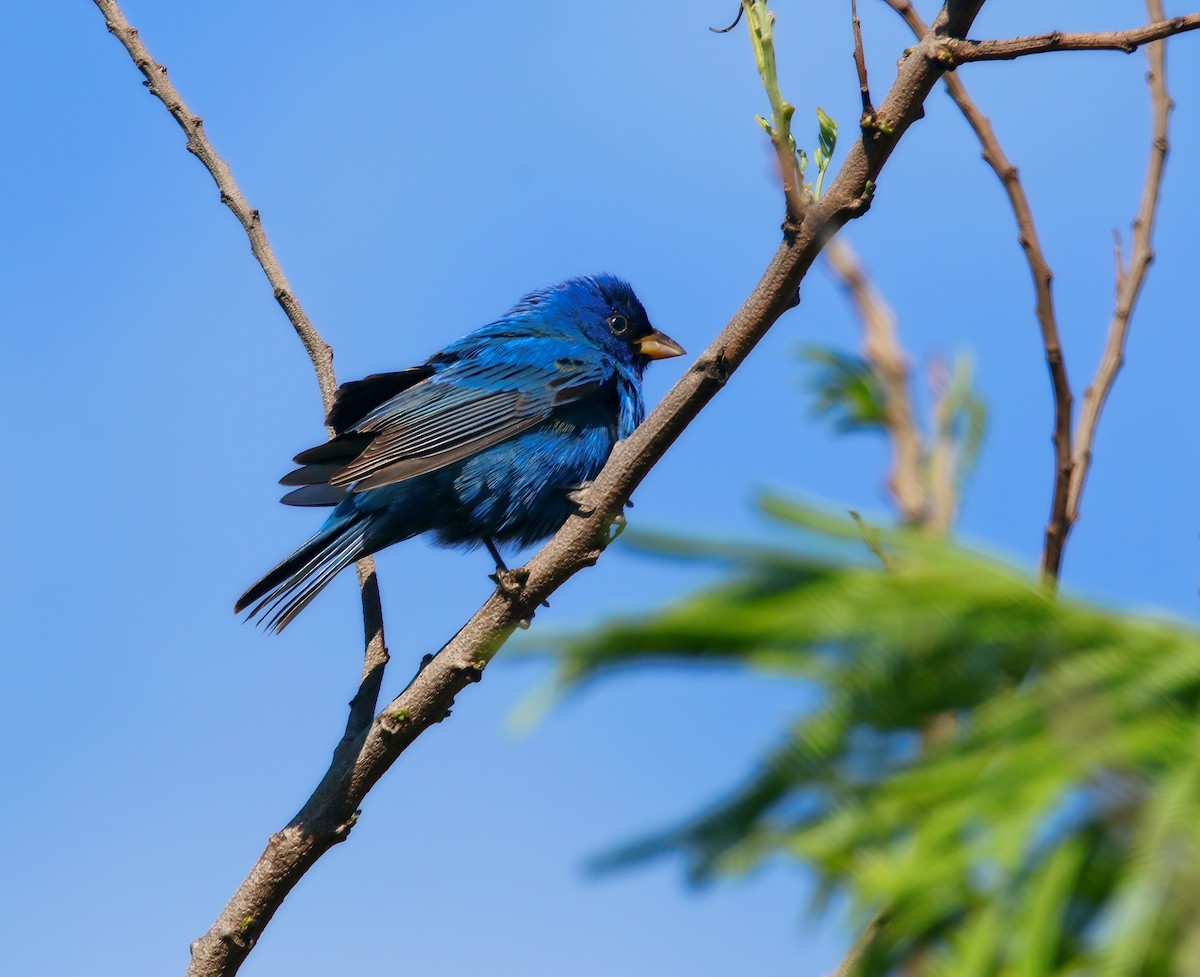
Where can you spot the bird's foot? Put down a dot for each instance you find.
(510, 582)
(577, 495)
(501, 566)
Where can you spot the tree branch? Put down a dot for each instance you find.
(881, 347)
(964, 51)
(366, 754)
(860, 65)
(1130, 280)
(375, 656)
(1057, 526)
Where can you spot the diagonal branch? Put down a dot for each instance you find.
(375, 656)
(1131, 279)
(1057, 527)
(964, 51)
(366, 754)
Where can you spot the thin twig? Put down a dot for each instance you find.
(871, 538)
(1131, 279)
(1056, 526)
(375, 654)
(963, 51)
(881, 347)
(860, 64)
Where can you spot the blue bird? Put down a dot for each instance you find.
(485, 442)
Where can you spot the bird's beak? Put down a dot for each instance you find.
(658, 346)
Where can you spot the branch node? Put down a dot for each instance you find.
(472, 671)
(862, 203)
(943, 57)
(342, 831)
(716, 368)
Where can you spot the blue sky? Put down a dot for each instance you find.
(418, 168)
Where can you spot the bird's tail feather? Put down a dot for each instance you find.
(289, 588)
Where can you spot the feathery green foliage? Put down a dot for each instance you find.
(1012, 782)
(848, 389)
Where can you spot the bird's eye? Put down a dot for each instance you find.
(618, 324)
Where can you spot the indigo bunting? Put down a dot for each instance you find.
(485, 442)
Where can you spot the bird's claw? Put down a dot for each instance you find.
(577, 496)
(510, 582)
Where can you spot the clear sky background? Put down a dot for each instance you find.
(418, 167)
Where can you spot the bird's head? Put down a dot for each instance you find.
(605, 310)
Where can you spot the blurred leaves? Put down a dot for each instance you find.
(961, 418)
(854, 393)
(848, 388)
(1011, 783)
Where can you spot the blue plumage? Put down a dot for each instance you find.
(483, 443)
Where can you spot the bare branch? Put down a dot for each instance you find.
(860, 65)
(231, 195)
(1130, 280)
(881, 347)
(360, 761)
(375, 656)
(964, 51)
(1057, 526)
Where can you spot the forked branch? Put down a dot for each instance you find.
(964, 51)
(1073, 447)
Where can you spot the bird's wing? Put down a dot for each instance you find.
(466, 407)
(356, 399)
